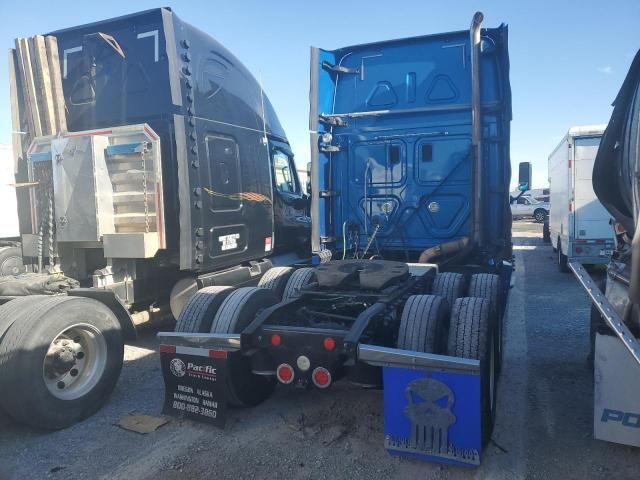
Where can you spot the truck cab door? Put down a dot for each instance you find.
(291, 205)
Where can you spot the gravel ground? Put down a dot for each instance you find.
(543, 428)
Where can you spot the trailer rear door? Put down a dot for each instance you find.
(591, 220)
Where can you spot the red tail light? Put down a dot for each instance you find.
(329, 343)
(276, 340)
(321, 377)
(285, 373)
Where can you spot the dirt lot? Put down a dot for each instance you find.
(543, 429)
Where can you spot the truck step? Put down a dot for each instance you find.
(135, 228)
(137, 207)
(135, 218)
(123, 167)
(133, 196)
(131, 177)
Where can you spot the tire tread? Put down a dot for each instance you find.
(198, 313)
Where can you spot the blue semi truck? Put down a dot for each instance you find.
(411, 244)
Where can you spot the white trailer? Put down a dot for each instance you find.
(578, 223)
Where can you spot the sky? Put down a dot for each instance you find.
(568, 57)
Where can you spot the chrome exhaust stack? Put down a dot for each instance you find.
(476, 127)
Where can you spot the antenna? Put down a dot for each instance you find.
(264, 122)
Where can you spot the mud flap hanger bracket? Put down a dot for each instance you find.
(393, 357)
(219, 341)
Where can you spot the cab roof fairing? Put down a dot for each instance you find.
(271, 124)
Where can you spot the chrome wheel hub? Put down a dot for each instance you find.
(75, 361)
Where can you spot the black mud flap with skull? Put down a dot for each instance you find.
(433, 415)
(194, 382)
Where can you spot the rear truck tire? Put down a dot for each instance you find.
(11, 261)
(449, 285)
(424, 324)
(238, 310)
(182, 291)
(471, 336)
(197, 315)
(539, 215)
(487, 286)
(276, 279)
(60, 359)
(562, 259)
(300, 278)
(10, 310)
(546, 233)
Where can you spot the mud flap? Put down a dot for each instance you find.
(431, 405)
(194, 381)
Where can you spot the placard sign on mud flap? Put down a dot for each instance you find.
(432, 415)
(194, 383)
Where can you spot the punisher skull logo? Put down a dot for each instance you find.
(429, 409)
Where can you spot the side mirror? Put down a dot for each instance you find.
(524, 176)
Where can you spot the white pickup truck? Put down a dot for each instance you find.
(526, 206)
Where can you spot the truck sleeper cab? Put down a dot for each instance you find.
(411, 249)
(166, 171)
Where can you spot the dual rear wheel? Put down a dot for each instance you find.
(229, 310)
(468, 327)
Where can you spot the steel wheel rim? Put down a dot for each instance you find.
(74, 361)
(539, 217)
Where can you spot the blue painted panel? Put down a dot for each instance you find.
(421, 89)
(432, 415)
(40, 156)
(125, 148)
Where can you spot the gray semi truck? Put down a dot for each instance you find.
(151, 165)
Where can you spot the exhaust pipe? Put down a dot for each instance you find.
(476, 128)
(443, 249)
(465, 244)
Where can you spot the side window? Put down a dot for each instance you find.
(224, 174)
(283, 173)
(522, 201)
